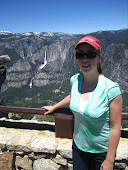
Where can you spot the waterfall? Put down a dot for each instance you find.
(30, 84)
(44, 62)
(42, 65)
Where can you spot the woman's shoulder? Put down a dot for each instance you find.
(112, 88)
(110, 82)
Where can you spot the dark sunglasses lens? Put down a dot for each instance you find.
(91, 55)
(79, 55)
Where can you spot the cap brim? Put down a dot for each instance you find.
(85, 42)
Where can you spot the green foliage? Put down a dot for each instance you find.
(27, 116)
(36, 96)
(48, 118)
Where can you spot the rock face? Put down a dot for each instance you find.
(3, 59)
(41, 65)
(39, 149)
(27, 54)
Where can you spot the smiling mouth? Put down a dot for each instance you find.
(86, 65)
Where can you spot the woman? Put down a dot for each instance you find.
(96, 103)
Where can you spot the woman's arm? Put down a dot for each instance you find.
(115, 127)
(63, 103)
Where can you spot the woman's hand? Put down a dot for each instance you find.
(107, 165)
(63, 103)
(49, 109)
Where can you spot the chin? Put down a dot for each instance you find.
(86, 69)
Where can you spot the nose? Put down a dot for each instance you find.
(85, 57)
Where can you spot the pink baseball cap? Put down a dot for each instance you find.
(90, 40)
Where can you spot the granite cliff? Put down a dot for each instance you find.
(28, 51)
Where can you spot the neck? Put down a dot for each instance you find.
(91, 78)
(90, 82)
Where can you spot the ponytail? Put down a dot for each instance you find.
(99, 66)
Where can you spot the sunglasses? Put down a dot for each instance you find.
(90, 55)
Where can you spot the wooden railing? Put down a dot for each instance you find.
(41, 111)
(27, 110)
(22, 110)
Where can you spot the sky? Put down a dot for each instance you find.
(68, 16)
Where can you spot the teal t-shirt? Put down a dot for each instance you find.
(92, 128)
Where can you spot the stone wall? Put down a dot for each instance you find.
(32, 145)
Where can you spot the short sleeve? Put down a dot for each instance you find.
(72, 79)
(113, 90)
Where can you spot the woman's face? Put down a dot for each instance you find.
(85, 64)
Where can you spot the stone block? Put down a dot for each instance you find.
(43, 164)
(65, 147)
(122, 149)
(37, 155)
(44, 144)
(23, 162)
(6, 160)
(60, 160)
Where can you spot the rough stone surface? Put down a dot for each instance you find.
(23, 162)
(24, 140)
(40, 149)
(65, 148)
(6, 161)
(44, 144)
(121, 165)
(122, 150)
(60, 160)
(45, 164)
(37, 155)
(30, 52)
(70, 166)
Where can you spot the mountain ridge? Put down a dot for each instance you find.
(27, 54)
